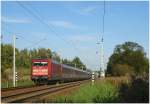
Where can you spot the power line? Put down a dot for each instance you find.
(17, 34)
(52, 27)
(36, 43)
(40, 20)
(46, 24)
(33, 43)
(104, 17)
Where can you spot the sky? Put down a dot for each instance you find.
(73, 28)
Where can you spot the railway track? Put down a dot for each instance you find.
(15, 88)
(17, 95)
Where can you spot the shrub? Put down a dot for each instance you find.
(122, 69)
(136, 92)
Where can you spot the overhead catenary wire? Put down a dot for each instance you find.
(59, 34)
(35, 43)
(27, 40)
(50, 27)
(104, 17)
(17, 34)
(41, 20)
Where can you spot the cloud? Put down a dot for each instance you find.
(88, 10)
(64, 24)
(15, 20)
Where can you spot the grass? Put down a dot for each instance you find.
(19, 83)
(100, 92)
(23, 78)
(108, 90)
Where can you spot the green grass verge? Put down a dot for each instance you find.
(100, 92)
(19, 83)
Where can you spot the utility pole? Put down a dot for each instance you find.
(14, 64)
(102, 48)
(102, 70)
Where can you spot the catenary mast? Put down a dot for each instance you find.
(102, 69)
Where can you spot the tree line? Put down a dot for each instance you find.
(128, 58)
(23, 57)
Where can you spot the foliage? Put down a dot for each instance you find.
(20, 83)
(131, 57)
(7, 73)
(23, 57)
(23, 76)
(98, 93)
(44, 53)
(56, 57)
(23, 60)
(137, 91)
(123, 89)
(76, 62)
(121, 69)
(6, 56)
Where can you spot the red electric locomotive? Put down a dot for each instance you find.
(47, 70)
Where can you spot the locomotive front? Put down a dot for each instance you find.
(40, 71)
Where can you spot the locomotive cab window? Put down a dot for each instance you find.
(40, 64)
(44, 63)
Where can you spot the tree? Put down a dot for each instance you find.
(24, 58)
(7, 61)
(67, 62)
(78, 63)
(130, 54)
(33, 53)
(122, 69)
(56, 57)
(6, 56)
(44, 53)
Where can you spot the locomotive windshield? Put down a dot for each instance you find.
(40, 64)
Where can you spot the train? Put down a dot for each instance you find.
(44, 71)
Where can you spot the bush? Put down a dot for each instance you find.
(136, 92)
(121, 70)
